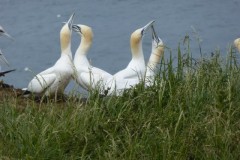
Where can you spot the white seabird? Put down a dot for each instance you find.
(54, 80)
(86, 75)
(135, 70)
(155, 57)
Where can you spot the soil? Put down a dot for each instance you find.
(8, 93)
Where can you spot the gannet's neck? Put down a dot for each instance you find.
(136, 45)
(86, 34)
(65, 40)
(156, 55)
(81, 60)
(80, 57)
(84, 46)
(237, 44)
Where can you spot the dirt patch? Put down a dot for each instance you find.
(16, 96)
(8, 91)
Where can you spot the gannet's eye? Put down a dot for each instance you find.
(1, 31)
(77, 28)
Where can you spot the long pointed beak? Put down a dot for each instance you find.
(3, 59)
(154, 35)
(8, 36)
(145, 28)
(70, 21)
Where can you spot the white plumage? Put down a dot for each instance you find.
(86, 75)
(135, 70)
(54, 80)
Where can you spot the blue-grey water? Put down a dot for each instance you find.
(35, 26)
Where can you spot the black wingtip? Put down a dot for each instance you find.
(26, 92)
(5, 72)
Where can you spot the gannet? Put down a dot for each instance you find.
(86, 75)
(54, 80)
(135, 70)
(156, 54)
(237, 44)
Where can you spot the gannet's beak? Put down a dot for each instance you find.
(3, 59)
(76, 28)
(70, 21)
(4, 33)
(155, 36)
(145, 28)
(8, 36)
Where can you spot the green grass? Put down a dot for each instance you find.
(192, 112)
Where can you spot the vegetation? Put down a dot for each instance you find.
(191, 112)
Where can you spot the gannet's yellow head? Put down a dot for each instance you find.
(65, 33)
(135, 40)
(136, 37)
(84, 31)
(86, 36)
(237, 44)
